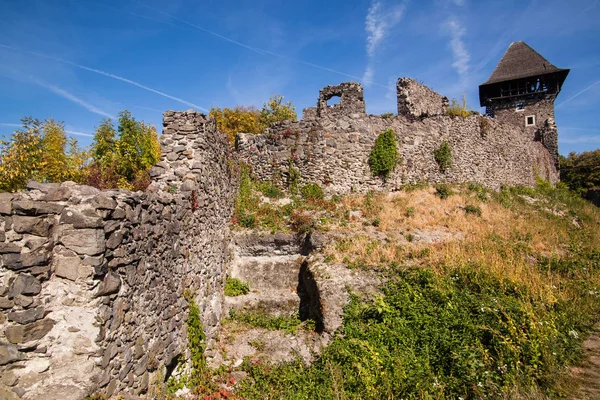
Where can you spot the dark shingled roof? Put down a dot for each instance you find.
(520, 61)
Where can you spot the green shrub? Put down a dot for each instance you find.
(443, 191)
(443, 156)
(196, 342)
(312, 191)
(302, 222)
(235, 287)
(384, 156)
(471, 209)
(387, 115)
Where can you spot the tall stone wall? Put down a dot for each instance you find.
(92, 282)
(333, 150)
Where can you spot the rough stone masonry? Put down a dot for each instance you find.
(331, 144)
(92, 282)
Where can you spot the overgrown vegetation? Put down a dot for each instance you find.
(384, 156)
(252, 120)
(42, 151)
(443, 156)
(235, 287)
(498, 314)
(456, 109)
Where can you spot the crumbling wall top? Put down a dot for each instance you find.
(416, 100)
(351, 96)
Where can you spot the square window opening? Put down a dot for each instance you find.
(530, 120)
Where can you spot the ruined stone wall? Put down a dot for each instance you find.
(416, 100)
(333, 150)
(92, 282)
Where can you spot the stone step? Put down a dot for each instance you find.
(268, 272)
(270, 301)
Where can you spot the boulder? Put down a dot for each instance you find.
(9, 248)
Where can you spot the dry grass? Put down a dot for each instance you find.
(508, 243)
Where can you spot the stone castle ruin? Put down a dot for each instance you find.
(92, 282)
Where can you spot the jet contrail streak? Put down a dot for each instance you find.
(256, 49)
(107, 74)
(583, 91)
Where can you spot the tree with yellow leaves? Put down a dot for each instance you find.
(251, 120)
(20, 157)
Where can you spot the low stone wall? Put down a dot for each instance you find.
(92, 282)
(333, 150)
(417, 101)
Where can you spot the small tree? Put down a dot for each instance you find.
(384, 156)
(54, 165)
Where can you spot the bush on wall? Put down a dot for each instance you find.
(384, 156)
(443, 156)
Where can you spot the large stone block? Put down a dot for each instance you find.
(30, 207)
(67, 264)
(84, 241)
(26, 333)
(25, 284)
(6, 203)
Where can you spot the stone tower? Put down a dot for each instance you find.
(522, 90)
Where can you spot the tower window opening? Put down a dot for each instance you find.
(530, 120)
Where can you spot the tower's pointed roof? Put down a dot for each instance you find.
(520, 61)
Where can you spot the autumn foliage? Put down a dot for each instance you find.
(118, 158)
(250, 119)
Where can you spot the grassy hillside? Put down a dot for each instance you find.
(488, 294)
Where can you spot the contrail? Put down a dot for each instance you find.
(74, 99)
(251, 48)
(583, 91)
(97, 71)
(66, 131)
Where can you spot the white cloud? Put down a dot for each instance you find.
(379, 22)
(368, 76)
(460, 54)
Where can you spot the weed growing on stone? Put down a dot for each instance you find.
(235, 287)
(384, 156)
(443, 156)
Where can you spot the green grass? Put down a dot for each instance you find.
(261, 319)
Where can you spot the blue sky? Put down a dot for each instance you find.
(80, 61)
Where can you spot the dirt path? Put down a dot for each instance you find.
(588, 374)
